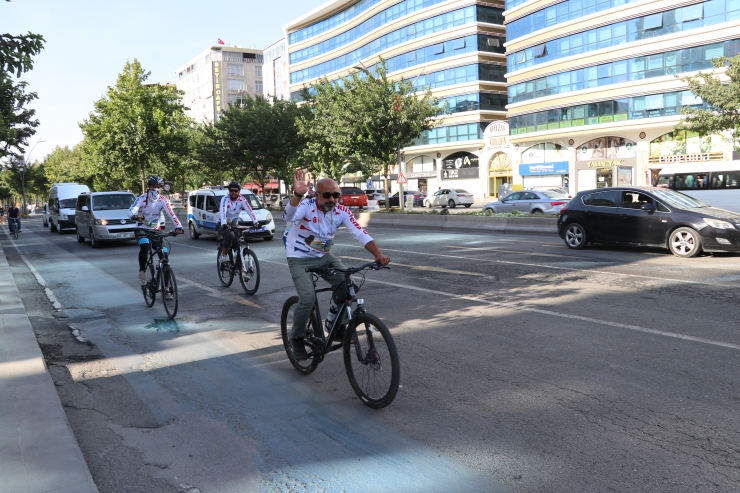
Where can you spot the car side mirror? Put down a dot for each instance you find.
(648, 207)
(85, 209)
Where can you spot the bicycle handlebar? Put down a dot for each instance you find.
(350, 270)
(155, 232)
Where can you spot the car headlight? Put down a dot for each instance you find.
(63, 216)
(268, 218)
(101, 222)
(717, 224)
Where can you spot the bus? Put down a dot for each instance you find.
(716, 184)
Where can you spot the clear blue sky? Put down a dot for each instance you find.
(89, 41)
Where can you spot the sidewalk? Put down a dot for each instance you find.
(38, 451)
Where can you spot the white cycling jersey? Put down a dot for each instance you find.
(230, 209)
(151, 208)
(312, 234)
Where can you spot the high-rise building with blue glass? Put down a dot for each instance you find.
(595, 87)
(456, 47)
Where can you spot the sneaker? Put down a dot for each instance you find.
(299, 349)
(168, 296)
(223, 259)
(142, 277)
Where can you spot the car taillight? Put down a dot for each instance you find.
(556, 203)
(565, 208)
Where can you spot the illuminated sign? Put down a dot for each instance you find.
(687, 158)
(605, 164)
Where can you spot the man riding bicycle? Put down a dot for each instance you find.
(228, 215)
(146, 211)
(308, 244)
(14, 216)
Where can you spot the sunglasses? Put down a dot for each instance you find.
(334, 195)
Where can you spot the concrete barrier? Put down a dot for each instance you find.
(454, 222)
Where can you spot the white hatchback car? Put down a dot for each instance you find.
(449, 197)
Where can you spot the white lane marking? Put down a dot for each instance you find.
(546, 266)
(39, 278)
(496, 250)
(426, 268)
(513, 306)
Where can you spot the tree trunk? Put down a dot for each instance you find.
(143, 174)
(386, 185)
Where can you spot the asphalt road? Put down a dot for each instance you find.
(526, 367)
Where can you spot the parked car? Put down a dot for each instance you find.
(203, 213)
(648, 216)
(284, 201)
(393, 201)
(374, 193)
(45, 215)
(448, 197)
(104, 216)
(561, 190)
(353, 197)
(529, 202)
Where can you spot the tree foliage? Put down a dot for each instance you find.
(17, 52)
(723, 97)
(136, 128)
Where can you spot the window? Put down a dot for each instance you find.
(652, 22)
(635, 200)
(691, 181)
(258, 86)
(529, 196)
(191, 200)
(199, 203)
(459, 44)
(605, 199)
(112, 202)
(234, 69)
(235, 84)
(539, 51)
(514, 196)
(234, 98)
(725, 179)
(258, 71)
(493, 42)
(211, 204)
(438, 49)
(693, 12)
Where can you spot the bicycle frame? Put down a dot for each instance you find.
(162, 262)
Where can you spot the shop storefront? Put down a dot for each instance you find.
(460, 171)
(498, 153)
(544, 165)
(606, 162)
(421, 172)
(684, 147)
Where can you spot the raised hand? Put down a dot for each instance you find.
(300, 182)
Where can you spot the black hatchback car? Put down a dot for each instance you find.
(648, 216)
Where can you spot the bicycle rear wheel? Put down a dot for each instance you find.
(150, 288)
(249, 274)
(286, 323)
(168, 280)
(371, 361)
(225, 272)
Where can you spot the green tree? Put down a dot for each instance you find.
(136, 127)
(17, 123)
(722, 97)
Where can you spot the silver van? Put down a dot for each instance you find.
(104, 216)
(203, 207)
(62, 201)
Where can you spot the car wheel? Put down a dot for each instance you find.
(575, 236)
(468, 205)
(451, 204)
(59, 228)
(684, 243)
(537, 211)
(194, 235)
(94, 241)
(80, 238)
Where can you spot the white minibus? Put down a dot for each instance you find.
(716, 184)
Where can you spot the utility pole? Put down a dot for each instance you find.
(401, 197)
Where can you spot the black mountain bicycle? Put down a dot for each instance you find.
(370, 355)
(164, 280)
(242, 260)
(13, 225)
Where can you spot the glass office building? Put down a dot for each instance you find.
(595, 87)
(454, 47)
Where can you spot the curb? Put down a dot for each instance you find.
(464, 224)
(39, 450)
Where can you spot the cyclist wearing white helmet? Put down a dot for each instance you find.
(228, 214)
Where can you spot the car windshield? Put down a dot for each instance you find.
(252, 200)
(112, 202)
(677, 199)
(552, 194)
(67, 203)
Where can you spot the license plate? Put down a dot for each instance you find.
(125, 235)
(257, 230)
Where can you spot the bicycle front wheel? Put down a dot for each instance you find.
(249, 274)
(169, 291)
(371, 361)
(286, 324)
(225, 272)
(150, 288)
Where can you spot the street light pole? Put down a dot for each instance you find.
(22, 170)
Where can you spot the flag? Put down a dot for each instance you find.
(220, 41)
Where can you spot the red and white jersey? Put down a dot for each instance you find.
(151, 209)
(312, 235)
(230, 209)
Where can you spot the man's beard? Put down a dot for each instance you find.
(327, 207)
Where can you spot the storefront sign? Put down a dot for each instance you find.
(556, 168)
(216, 88)
(605, 164)
(423, 174)
(460, 165)
(496, 136)
(688, 158)
(606, 148)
